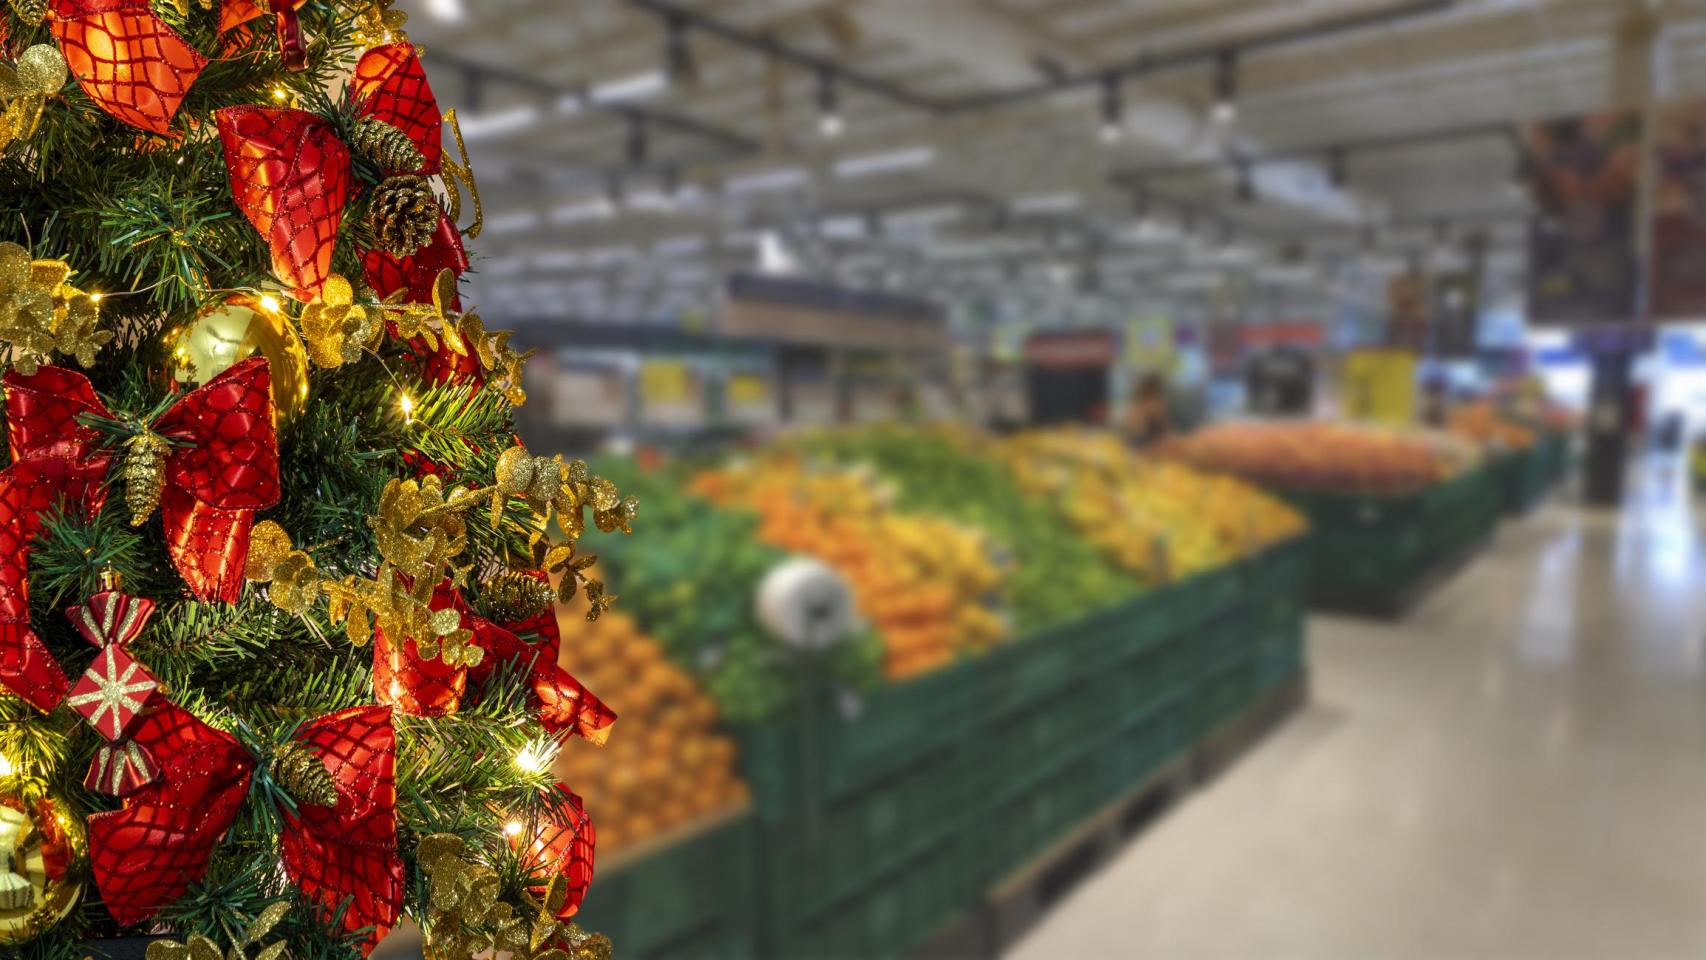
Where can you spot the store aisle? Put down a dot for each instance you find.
(1517, 769)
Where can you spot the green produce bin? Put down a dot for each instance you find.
(878, 826)
(690, 895)
(1377, 554)
(1527, 476)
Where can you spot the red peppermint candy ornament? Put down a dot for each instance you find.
(126, 59)
(112, 692)
(290, 175)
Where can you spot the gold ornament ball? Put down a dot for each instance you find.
(234, 329)
(44, 862)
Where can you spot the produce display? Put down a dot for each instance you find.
(1157, 519)
(1336, 457)
(1056, 575)
(933, 589)
(1483, 423)
(670, 766)
(691, 582)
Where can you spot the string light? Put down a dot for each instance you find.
(279, 94)
(513, 828)
(408, 404)
(270, 303)
(536, 757)
(6, 767)
(96, 297)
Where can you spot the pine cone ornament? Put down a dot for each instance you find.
(144, 474)
(32, 12)
(513, 597)
(303, 775)
(388, 148)
(403, 214)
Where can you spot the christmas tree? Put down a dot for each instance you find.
(278, 652)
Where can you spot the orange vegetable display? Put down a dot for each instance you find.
(1337, 457)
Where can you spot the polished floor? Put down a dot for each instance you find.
(1515, 769)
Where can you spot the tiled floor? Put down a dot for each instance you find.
(1516, 769)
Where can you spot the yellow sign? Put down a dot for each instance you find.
(748, 390)
(1149, 344)
(1380, 386)
(665, 382)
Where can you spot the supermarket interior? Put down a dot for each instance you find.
(1115, 478)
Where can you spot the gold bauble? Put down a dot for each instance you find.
(234, 329)
(44, 863)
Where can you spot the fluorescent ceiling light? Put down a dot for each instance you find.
(1048, 203)
(780, 178)
(450, 11)
(637, 87)
(581, 211)
(479, 126)
(519, 222)
(503, 267)
(679, 246)
(846, 227)
(599, 256)
(874, 163)
(555, 260)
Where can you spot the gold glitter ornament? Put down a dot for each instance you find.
(389, 148)
(144, 474)
(32, 12)
(377, 23)
(236, 328)
(337, 328)
(303, 775)
(41, 313)
(198, 947)
(403, 214)
(36, 830)
(273, 559)
(24, 89)
(513, 596)
(419, 529)
(465, 918)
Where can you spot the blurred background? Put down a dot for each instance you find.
(1119, 477)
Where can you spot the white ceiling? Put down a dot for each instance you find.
(548, 164)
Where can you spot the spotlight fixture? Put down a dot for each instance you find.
(1113, 110)
(829, 121)
(1225, 87)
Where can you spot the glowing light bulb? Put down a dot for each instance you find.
(6, 768)
(278, 93)
(96, 297)
(408, 404)
(270, 303)
(536, 757)
(512, 828)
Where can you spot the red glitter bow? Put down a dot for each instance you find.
(290, 175)
(561, 702)
(416, 685)
(146, 855)
(222, 468)
(126, 59)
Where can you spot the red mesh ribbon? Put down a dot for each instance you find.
(223, 470)
(146, 855)
(349, 852)
(415, 685)
(392, 86)
(56, 464)
(290, 175)
(126, 59)
(559, 700)
(563, 844)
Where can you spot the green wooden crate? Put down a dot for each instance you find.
(887, 917)
(693, 894)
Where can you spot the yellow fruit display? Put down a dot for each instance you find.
(1157, 519)
(930, 587)
(666, 764)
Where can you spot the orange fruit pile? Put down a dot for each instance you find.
(930, 587)
(666, 765)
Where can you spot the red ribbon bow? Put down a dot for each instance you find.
(129, 62)
(223, 468)
(146, 855)
(286, 24)
(290, 175)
